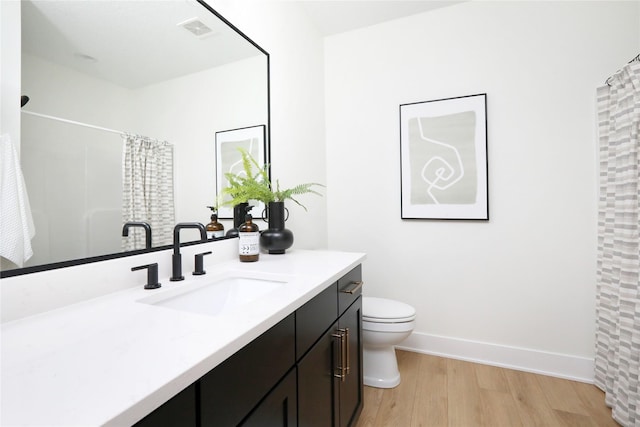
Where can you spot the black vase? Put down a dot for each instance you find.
(239, 212)
(276, 239)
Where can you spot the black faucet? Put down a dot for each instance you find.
(147, 231)
(176, 258)
(152, 275)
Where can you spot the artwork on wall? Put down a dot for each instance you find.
(229, 160)
(443, 159)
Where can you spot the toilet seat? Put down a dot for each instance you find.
(382, 310)
(387, 327)
(393, 320)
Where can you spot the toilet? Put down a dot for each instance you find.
(385, 323)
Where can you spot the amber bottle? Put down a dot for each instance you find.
(249, 244)
(214, 228)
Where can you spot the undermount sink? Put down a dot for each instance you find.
(216, 296)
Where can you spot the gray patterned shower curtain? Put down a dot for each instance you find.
(147, 193)
(617, 361)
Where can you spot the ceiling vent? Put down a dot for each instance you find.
(196, 27)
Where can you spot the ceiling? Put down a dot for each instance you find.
(336, 16)
(134, 43)
(131, 43)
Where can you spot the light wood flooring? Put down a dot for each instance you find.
(436, 391)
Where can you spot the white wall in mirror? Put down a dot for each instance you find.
(187, 111)
(74, 174)
(10, 69)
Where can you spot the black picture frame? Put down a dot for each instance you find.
(229, 159)
(443, 159)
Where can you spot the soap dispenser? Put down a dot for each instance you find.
(249, 234)
(214, 228)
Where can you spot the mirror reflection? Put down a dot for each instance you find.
(124, 102)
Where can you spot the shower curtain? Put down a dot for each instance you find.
(617, 360)
(147, 193)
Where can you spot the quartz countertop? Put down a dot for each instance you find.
(112, 360)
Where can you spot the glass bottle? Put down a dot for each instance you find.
(214, 228)
(249, 244)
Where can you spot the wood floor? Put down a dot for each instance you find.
(444, 392)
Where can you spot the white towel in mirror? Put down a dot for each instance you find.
(16, 222)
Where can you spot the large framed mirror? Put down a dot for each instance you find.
(100, 73)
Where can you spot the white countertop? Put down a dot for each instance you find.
(112, 360)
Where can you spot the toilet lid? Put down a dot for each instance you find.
(386, 310)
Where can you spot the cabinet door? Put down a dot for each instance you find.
(179, 411)
(230, 391)
(350, 387)
(278, 409)
(316, 389)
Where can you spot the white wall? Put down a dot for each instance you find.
(297, 104)
(526, 278)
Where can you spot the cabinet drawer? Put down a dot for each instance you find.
(231, 390)
(349, 288)
(315, 317)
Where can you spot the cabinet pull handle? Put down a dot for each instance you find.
(348, 350)
(341, 335)
(345, 344)
(338, 335)
(356, 285)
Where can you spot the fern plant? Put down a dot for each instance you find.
(282, 195)
(255, 185)
(250, 186)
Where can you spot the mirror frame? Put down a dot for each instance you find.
(81, 261)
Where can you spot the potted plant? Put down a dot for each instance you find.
(256, 185)
(242, 188)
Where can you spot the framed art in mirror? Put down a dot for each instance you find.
(443, 159)
(229, 160)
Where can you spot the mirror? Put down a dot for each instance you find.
(172, 71)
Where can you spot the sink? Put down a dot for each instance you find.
(216, 296)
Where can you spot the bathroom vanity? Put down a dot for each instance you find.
(290, 356)
(305, 370)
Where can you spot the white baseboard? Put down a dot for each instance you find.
(540, 362)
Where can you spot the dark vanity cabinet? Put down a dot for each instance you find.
(232, 390)
(306, 371)
(350, 387)
(254, 387)
(330, 389)
(181, 410)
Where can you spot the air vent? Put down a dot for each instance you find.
(196, 27)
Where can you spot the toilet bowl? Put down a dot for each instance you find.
(385, 323)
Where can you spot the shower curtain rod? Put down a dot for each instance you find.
(73, 122)
(636, 58)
